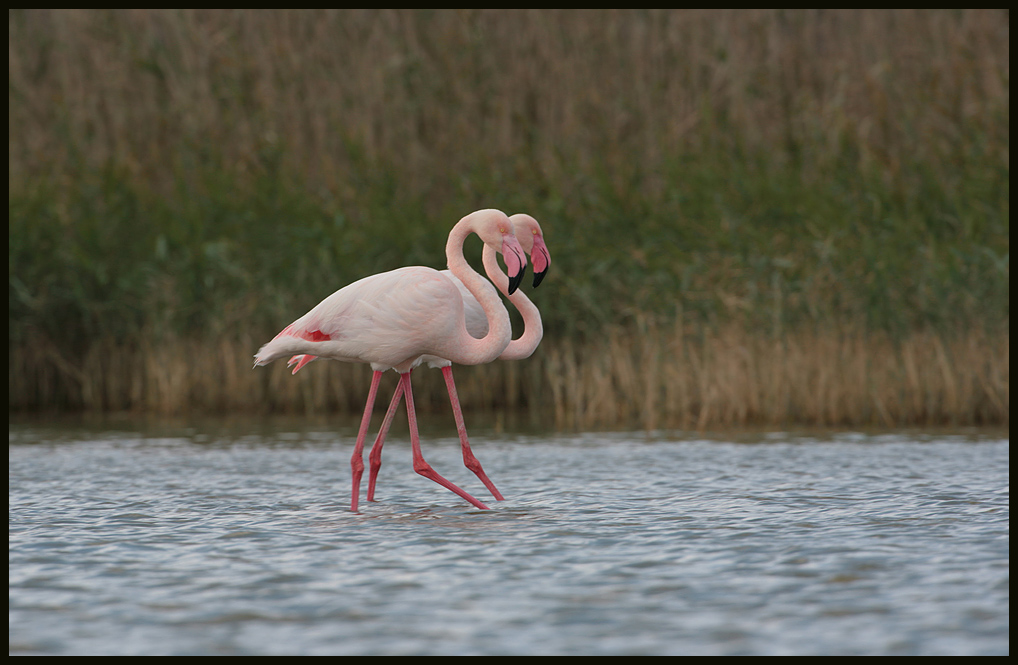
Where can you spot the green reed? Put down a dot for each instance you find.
(184, 180)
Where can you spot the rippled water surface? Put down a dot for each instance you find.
(137, 542)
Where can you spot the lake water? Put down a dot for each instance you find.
(239, 541)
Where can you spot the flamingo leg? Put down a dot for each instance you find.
(375, 457)
(421, 466)
(469, 460)
(357, 460)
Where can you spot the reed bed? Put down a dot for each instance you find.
(541, 91)
(662, 377)
(657, 376)
(755, 216)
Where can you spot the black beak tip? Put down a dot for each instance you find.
(514, 282)
(539, 276)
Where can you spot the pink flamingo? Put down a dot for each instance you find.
(528, 231)
(392, 320)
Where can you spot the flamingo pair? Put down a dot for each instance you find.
(409, 316)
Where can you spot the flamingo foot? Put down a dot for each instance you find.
(424, 469)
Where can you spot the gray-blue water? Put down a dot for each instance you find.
(208, 542)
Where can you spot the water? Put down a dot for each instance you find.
(215, 542)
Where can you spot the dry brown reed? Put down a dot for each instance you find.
(654, 376)
(660, 376)
(551, 90)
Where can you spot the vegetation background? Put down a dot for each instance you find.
(755, 217)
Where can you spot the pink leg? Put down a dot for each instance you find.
(357, 461)
(420, 466)
(375, 457)
(468, 456)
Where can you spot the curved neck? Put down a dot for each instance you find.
(533, 330)
(467, 350)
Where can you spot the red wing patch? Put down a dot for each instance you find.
(309, 335)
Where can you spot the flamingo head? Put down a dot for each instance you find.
(532, 239)
(496, 230)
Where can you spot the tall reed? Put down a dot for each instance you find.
(662, 376)
(183, 183)
(539, 92)
(654, 376)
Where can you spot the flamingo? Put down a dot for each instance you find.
(393, 320)
(532, 239)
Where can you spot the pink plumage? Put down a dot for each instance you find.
(531, 238)
(392, 320)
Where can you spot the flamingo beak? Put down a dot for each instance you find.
(541, 259)
(515, 261)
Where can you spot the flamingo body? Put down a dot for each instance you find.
(532, 240)
(395, 319)
(388, 320)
